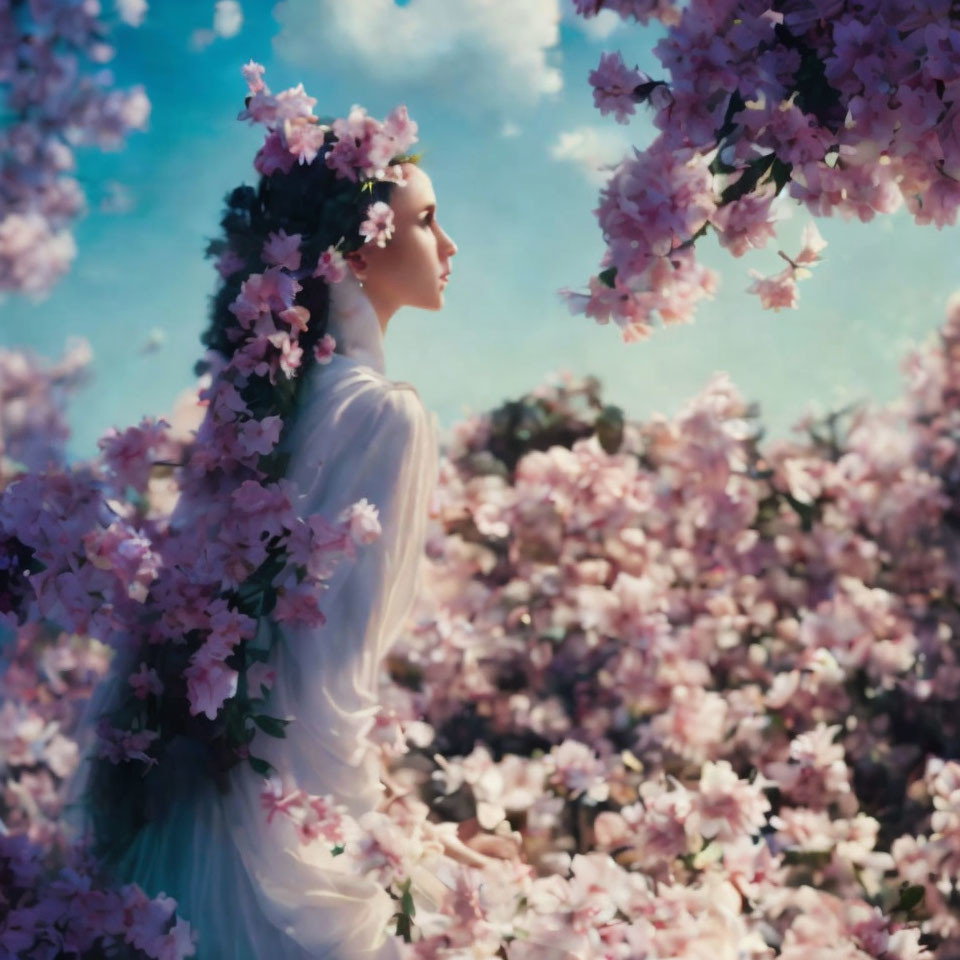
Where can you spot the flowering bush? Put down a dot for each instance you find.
(698, 693)
(851, 110)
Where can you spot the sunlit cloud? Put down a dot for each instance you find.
(473, 51)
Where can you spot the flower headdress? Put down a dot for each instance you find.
(302, 224)
(238, 552)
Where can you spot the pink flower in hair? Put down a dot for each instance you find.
(282, 250)
(274, 155)
(261, 108)
(331, 266)
(401, 129)
(296, 316)
(293, 103)
(303, 140)
(379, 226)
(229, 263)
(260, 436)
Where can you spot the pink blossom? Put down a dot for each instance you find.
(379, 226)
(282, 250)
(298, 604)
(260, 436)
(812, 243)
(294, 103)
(209, 684)
(729, 807)
(145, 681)
(331, 266)
(775, 292)
(298, 317)
(362, 518)
(614, 86)
(324, 349)
(274, 155)
(253, 74)
(579, 771)
(303, 139)
(745, 224)
(128, 454)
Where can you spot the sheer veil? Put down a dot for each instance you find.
(253, 889)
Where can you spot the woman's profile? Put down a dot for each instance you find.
(247, 882)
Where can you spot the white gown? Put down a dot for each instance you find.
(253, 890)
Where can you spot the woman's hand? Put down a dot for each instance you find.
(457, 850)
(492, 845)
(471, 846)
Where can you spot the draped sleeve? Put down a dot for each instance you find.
(358, 435)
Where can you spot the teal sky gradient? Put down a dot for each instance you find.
(524, 226)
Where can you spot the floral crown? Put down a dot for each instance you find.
(359, 149)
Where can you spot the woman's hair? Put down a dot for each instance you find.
(310, 200)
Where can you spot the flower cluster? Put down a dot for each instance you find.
(47, 911)
(358, 148)
(62, 96)
(850, 111)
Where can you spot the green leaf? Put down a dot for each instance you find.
(260, 766)
(910, 897)
(404, 927)
(406, 900)
(607, 276)
(338, 849)
(272, 726)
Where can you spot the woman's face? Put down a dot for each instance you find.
(408, 271)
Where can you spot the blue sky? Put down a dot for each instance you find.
(505, 114)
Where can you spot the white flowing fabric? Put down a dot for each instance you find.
(253, 890)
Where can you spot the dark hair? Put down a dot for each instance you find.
(312, 200)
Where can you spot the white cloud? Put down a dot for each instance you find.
(227, 21)
(510, 129)
(591, 149)
(605, 23)
(491, 51)
(227, 18)
(131, 12)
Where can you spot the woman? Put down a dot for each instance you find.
(247, 883)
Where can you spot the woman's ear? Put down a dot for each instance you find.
(358, 264)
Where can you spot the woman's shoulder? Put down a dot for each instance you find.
(365, 390)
